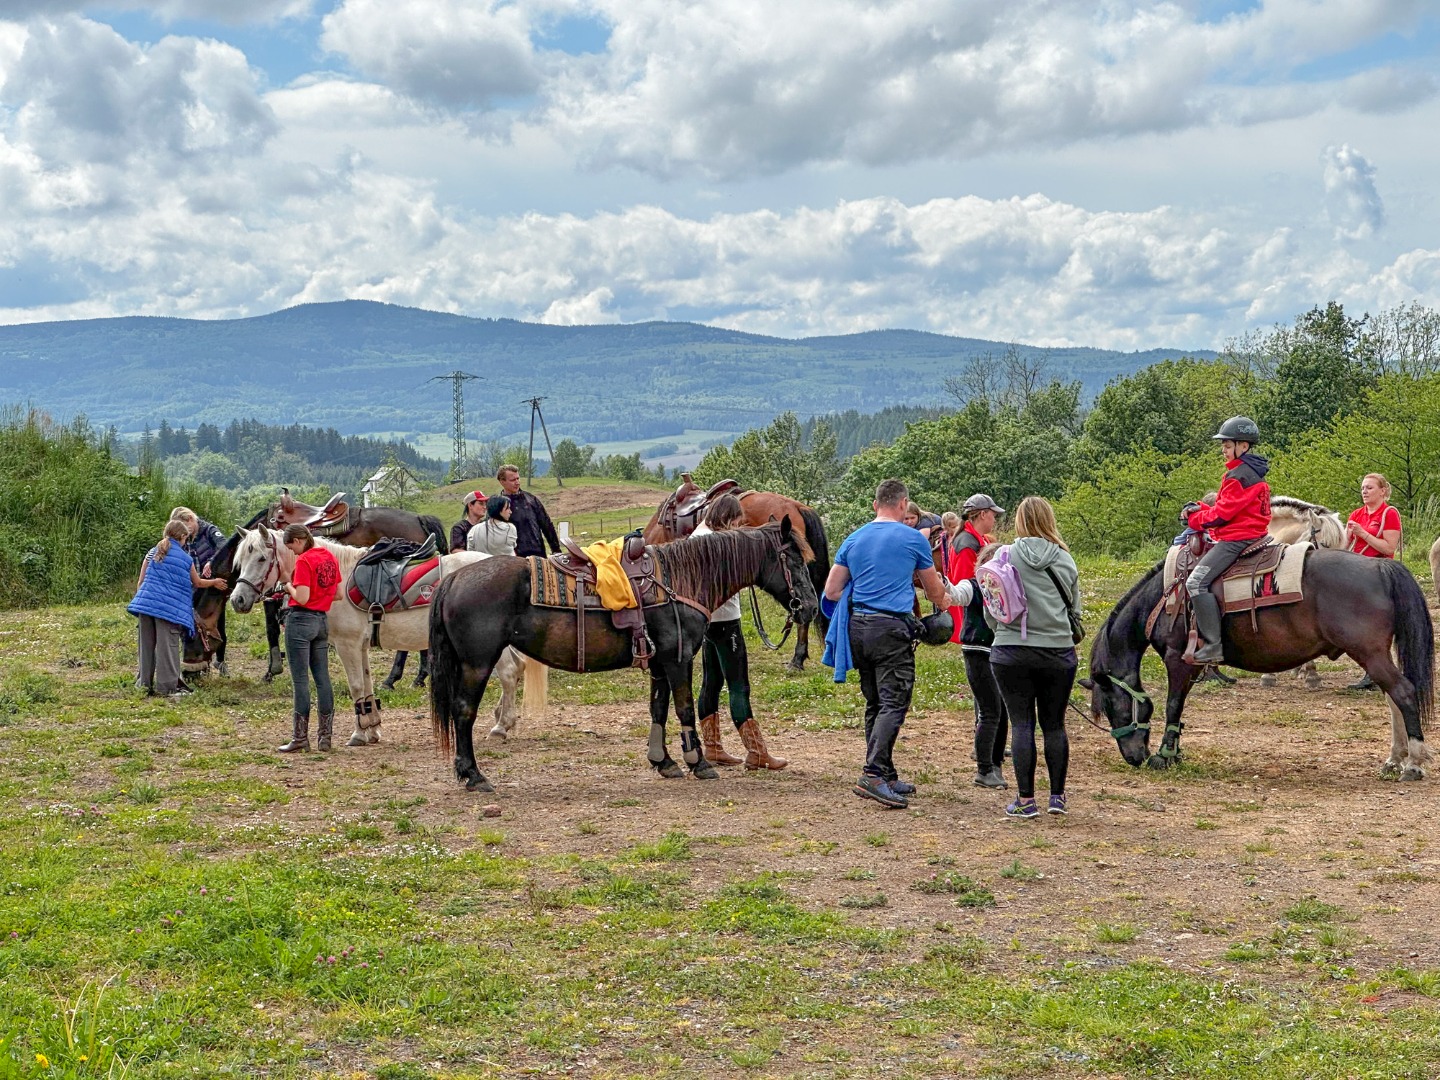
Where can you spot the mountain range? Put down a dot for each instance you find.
(368, 368)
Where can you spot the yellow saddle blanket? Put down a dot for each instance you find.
(611, 581)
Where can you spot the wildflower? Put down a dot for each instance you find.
(42, 1061)
(204, 891)
(84, 1057)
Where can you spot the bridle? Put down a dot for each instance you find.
(794, 603)
(1137, 697)
(264, 585)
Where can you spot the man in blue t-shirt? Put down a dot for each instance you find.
(879, 562)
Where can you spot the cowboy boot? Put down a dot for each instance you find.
(710, 737)
(326, 729)
(299, 735)
(756, 755)
(276, 664)
(1207, 625)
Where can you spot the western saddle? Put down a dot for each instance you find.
(1260, 558)
(682, 511)
(377, 583)
(639, 567)
(318, 519)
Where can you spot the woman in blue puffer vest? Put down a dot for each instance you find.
(163, 603)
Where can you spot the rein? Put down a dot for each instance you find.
(794, 607)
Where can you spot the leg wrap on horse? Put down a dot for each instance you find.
(689, 746)
(656, 751)
(367, 714)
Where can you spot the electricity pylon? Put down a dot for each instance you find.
(534, 404)
(458, 378)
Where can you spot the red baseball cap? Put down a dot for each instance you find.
(474, 497)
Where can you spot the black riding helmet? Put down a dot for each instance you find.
(1239, 429)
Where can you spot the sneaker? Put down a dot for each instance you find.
(879, 789)
(991, 778)
(1057, 804)
(1022, 809)
(1364, 683)
(902, 787)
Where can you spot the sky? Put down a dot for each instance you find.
(1118, 174)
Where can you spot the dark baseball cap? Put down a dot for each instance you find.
(980, 501)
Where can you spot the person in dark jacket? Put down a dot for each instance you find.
(163, 603)
(975, 637)
(474, 514)
(533, 528)
(204, 544)
(1240, 516)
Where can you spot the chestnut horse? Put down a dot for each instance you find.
(761, 507)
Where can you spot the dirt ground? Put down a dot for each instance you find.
(1279, 804)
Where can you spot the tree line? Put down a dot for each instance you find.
(1336, 397)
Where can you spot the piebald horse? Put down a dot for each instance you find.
(263, 562)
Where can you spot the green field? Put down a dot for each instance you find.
(177, 900)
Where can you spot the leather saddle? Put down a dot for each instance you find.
(1255, 562)
(383, 576)
(685, 508)
(639, 567)
(289, 511)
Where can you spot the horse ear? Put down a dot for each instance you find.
(785, 528)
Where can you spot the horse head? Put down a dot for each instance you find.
(259, 565)
(787, 577)
(1126, 709)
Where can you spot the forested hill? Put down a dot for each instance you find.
(364, 367)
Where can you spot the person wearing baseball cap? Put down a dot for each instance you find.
(474, 514)
(975, 638)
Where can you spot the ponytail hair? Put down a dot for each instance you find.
(174, 530)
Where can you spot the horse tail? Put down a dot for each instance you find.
(1414, 635)
(432, 525)
(445, 671)
(820, 545)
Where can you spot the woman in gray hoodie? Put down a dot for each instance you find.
(1035, 666)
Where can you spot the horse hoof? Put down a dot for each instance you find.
(1155, 761)
(1267, 680)
(372, 736)
(498, 733)
(669, 770)
(705, 771)
(1314, 684)
(478, 783)
(388, 684)
(793, 668)
(358, 739)
(1411, 772)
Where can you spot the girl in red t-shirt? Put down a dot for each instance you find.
(311, 590)
(1374, 529)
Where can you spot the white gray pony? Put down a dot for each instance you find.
(1291, 521)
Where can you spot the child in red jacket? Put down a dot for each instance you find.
(1240, 516)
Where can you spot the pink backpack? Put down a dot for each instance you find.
(1002, 592)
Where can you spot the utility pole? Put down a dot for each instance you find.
(534, 404)
(459, 378)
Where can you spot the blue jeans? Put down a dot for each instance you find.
(307, 648)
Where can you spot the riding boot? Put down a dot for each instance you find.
(276, 663)
(756, 755)
(1211, 650)
(714, 750)
(299, 735)
(326, 729)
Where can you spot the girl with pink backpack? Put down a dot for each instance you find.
(1031, 592)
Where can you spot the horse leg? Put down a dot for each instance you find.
(355, 658)
(656, 752)
(1407, 757)
(802, 647)
(679, 676)
(424, 672)
(1312, 676)
(467, 703)
(1268, 679)
(1181, 677)
(509, 669)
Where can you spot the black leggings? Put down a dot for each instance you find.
(991, 720)
(725, 662)
(1031, 693)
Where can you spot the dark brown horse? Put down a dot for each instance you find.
(765, 506)
(1353, 606)
(481, 609)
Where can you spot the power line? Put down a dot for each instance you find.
(459, 378)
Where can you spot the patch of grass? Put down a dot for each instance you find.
(1311, 910)
(144, 794)
(858, 873)
(674, 846)
(878, 839)
(360, 832)
(1116, 933)
(490, 837)
(1018, 871)
(23, 689)
(1205, 824)
(864, 901)
(967, 892)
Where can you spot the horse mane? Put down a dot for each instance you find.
(703, 567)
(1298, 513)
(1100, 651)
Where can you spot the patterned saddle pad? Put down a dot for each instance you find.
(1250, 583)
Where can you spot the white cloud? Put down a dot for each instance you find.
(1352, 201)
(224, 11)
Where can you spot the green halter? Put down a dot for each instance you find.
(1136, 697)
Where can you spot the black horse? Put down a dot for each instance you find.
(483, 608)
(209, 637)
(1353, 606)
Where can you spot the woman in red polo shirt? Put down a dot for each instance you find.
(1374, 529)
(311, 590)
